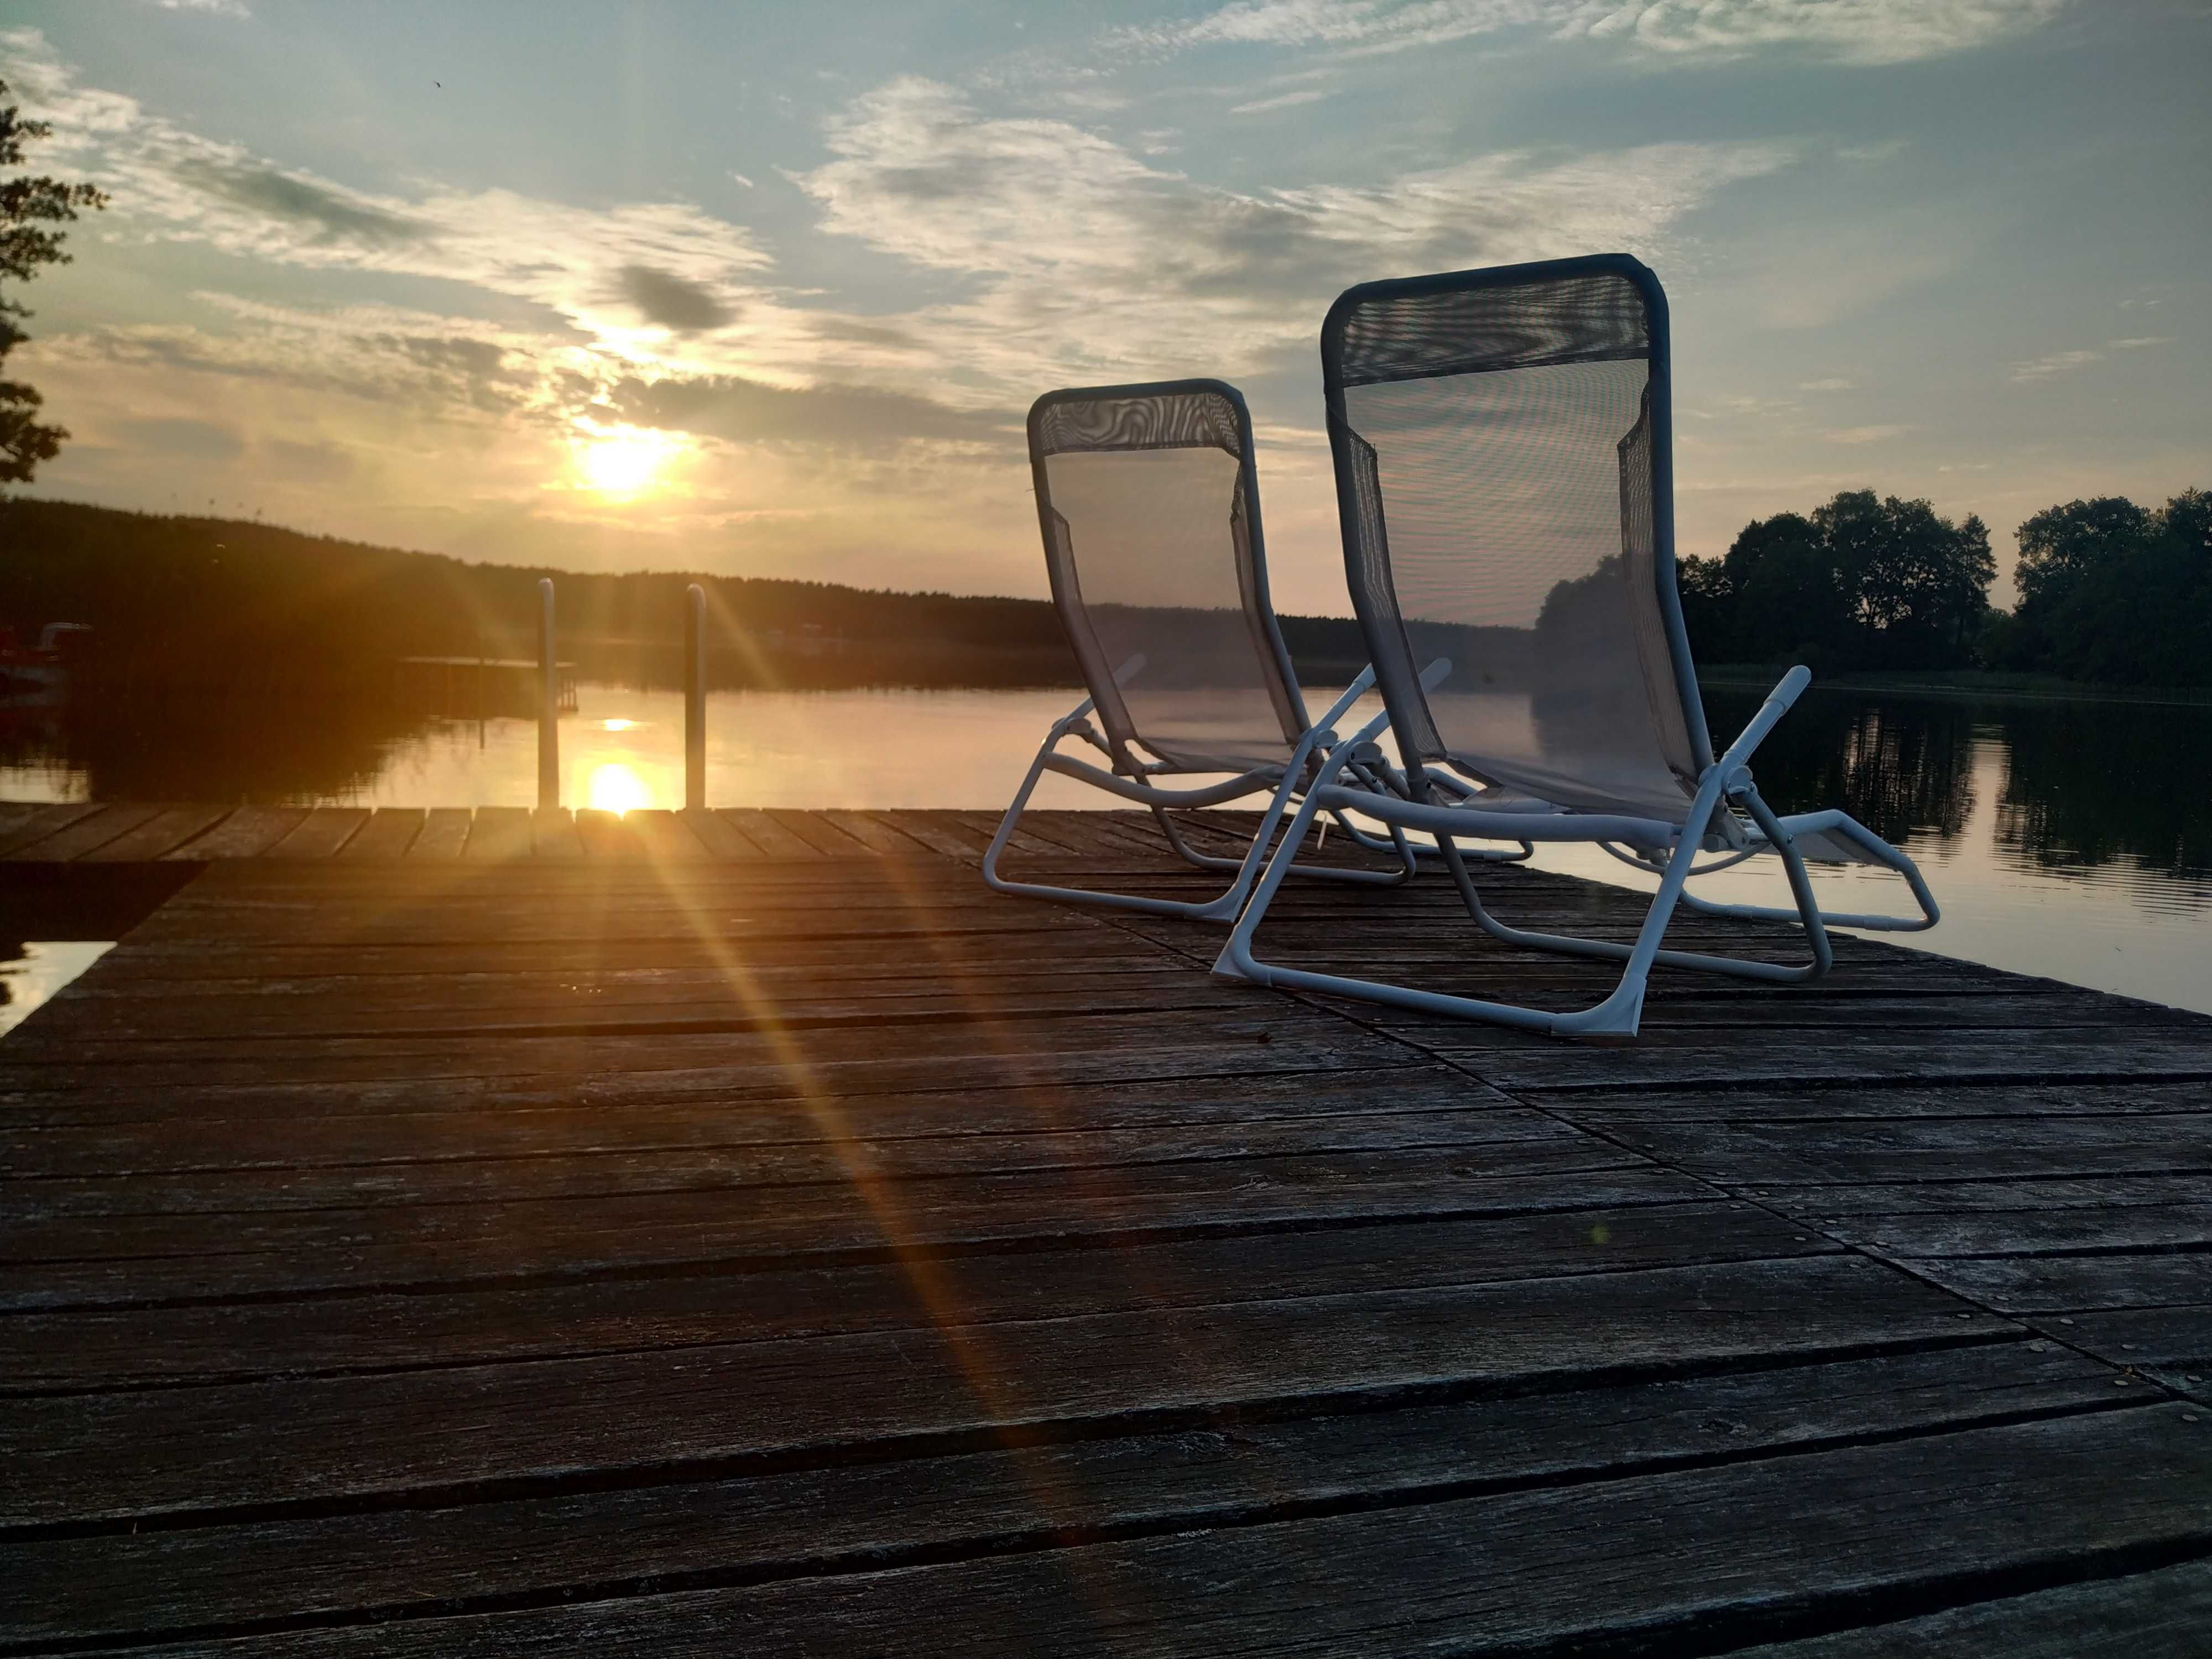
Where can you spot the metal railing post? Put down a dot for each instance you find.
(695, 697)
(549, 702)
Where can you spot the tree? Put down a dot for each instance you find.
(1864, 581)
(27, 204)
(1919, 583)
(2117, 592)
(1791, 597)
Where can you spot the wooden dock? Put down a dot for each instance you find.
(742, 1233)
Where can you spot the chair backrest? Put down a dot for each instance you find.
(1504, 480)
(1150, 507)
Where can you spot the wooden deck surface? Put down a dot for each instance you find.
(745, 1233)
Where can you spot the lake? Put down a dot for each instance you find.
(2070, 839)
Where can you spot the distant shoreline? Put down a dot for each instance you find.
(1961, 684)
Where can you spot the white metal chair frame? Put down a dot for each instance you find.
(1724, 785)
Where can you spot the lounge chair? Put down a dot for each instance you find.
(1150, 507)
(1505, 488)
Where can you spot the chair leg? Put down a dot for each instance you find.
(1615, 1018)
(1223, 907)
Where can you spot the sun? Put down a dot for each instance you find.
(622, 461)
(615, 788)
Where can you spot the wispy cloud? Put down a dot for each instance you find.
(1282, 100)
(1832, 384)
(636, 279)
(2057, 362)
(1848, 31)
(2135, 342)
(1064, 229)
(1867, 32)
(212, 8)
(1866, 434)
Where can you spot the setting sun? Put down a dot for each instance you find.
(624, 460)
(615, 788)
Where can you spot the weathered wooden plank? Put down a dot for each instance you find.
(1725, 1553)
(387, 835)
(321, 834)
(2172, 1346)
(607, 836)
(1999, 1221)
(870, 833)
(499, 833)
(110, 1457)
(164, 832)
(1866, 1152)
(247, 833)
(819, 833)
(1026, 841)
(141, 1585)
(719, 836)
(218, 1129)
(2069, 1284)
(773, 838)
(71, 835)
(276, 1122)
(42, 821)
(553, 834)
(94, 1348)
(1990, 1103)
(62, 1099)
(2091, 1053)
(949, 832)
(15, 816)
(2160, 1614)
(104, 1260)
(416, 1005)
(923, 831)
(1497, 1144)
(666, 837)
(445, 832)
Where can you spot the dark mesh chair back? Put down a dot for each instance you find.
(1504, 478)
(1150, 510)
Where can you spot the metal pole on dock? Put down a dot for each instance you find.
(549, 702)
(695, 697)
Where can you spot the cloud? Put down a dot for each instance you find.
(622, 277)
(326, 214)
(673, 303)
(1089, 260)
(2137, 342)
(2042, 368)
(1866, 434)
(1833, 384)
(1282, 100)
(836, 417)
(1865, 31)
(212, 8)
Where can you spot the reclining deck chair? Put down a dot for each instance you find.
(1504, 487)
(1150, 507)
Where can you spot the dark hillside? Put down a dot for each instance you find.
(220, 602)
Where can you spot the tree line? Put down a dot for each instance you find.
(2110, 592)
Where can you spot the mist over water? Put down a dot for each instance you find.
(2072, 840)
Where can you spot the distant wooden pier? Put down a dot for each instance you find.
(507, 1232)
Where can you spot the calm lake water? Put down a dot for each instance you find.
(2070, 840)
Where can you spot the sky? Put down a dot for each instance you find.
(766, 289)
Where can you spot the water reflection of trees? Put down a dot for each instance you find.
(2088, 783)
(198, 747)
(1901, 769)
